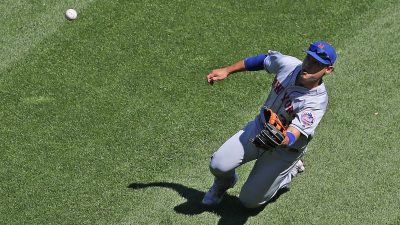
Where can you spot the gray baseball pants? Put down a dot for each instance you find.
(271, 170)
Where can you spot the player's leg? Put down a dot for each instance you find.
(236, 151)
(272, 171)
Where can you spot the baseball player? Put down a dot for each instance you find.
(299, 99)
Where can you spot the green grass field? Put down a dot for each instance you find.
(109, 120)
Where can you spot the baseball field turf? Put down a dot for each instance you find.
(109, 119)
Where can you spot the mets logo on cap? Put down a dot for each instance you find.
(307, 118)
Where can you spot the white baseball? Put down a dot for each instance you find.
(71, 14)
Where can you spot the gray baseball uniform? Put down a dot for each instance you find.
(296, 106)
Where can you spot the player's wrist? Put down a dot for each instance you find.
(291, 139)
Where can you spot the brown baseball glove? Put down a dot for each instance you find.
(273, 133)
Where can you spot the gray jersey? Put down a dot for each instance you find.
(295, 105)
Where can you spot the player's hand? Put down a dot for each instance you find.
(217, 74)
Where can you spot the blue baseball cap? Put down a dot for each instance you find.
(323, 52)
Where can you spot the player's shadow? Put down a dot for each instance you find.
(231, 211)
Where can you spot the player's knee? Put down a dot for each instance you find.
(218, 166)
(218, 169)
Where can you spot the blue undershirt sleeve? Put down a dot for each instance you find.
(291, 137)
(255, 63)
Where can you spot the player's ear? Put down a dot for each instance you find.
(329, 69)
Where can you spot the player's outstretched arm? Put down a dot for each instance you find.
(222, 73)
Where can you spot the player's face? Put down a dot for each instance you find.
(313, 70)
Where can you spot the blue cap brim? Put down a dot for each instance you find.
(321, 60)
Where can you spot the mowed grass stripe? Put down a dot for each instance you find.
(25, 24)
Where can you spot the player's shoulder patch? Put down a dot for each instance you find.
(307, 118)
